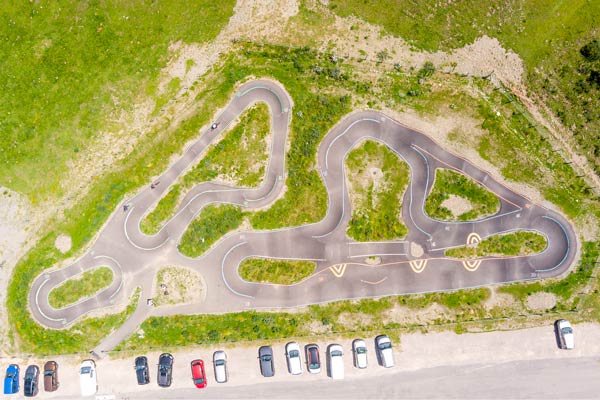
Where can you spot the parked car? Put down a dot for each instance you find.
(294, 362)
(564, 332)
(51, 376)
(385, 354)
(142, 371)
(335, 356)
(220, 365)
(359, 352)
(198, 374)
(313, 361)
(165, 370)
(11, 380)
(31, 381)
(265, 356)
(87, 378)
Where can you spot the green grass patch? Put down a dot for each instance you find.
(68, 67)
(213, 222)
(447, 183)
(165, 209)
(73, 290)
(564, 288)
(377, 201)
(521, 243)
(340, 317)
(248, 141)
(281, 272)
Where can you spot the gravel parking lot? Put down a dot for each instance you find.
(116, 377)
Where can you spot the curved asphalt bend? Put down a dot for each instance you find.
(341, 269)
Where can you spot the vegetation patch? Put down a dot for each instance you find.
(165, 208)
(213, 222)
(378, 179)
(557, 41)
(67, 68)
(175, 285)
(521, 243)
(248, 141)
(448, 183)
(76, 289)
(281, 272)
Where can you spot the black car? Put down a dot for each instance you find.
(141, 370)
(30, 383)
(165, 370)
(265, 356)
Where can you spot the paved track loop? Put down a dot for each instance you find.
(342, 272)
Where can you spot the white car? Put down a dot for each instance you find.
(565, 334)
(383, 344)
(220, 364)
(359, 350)
(335, 355)
(294, 362)
(87, 378)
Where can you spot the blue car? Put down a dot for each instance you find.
(11, 381)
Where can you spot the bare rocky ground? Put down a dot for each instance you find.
(267, 21)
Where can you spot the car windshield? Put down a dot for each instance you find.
(336, 353)
(385, 345)
(163, 368)
(86, 370)
(266, 357)
(10, 374)
(140, 367)
(294, 353)
(567, 330)
(219, 362)
(314, 365)
(198, 381)
(48, 373)
(361, 350)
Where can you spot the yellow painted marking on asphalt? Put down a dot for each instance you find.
(473, 238)
(471, 265)
(418, 265)
(338, 270)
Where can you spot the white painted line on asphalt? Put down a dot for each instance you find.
(223, 271)
(37, 305)
(375, 283)
(129, 239)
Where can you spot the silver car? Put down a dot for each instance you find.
(383, 344)
(220, 364)
(359, 351)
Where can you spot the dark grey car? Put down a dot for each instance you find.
(30, 383)
(141, 370)
(165, 370)
(265, 357)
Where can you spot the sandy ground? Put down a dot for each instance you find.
(416, 351)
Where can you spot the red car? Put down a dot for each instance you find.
(198, 374)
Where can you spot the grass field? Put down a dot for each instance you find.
(73, 290)
(377, 201)
(520, 243)
(213, 222)
(68, 67)
(281, 272)
(448, 182)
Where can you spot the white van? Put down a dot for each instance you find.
(335, 355)
(294, 362)
(220, 364)
(87, 378)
